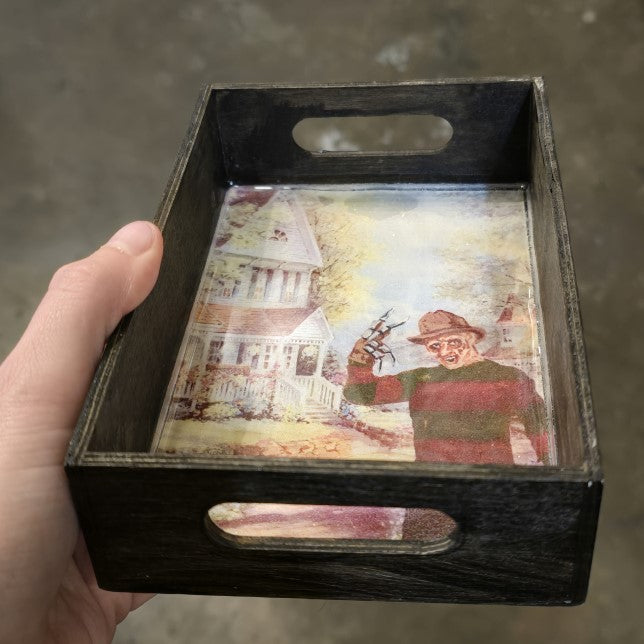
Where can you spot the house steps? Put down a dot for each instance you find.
(317, 412)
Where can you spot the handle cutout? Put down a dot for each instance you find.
(392, 133)
(332, 528)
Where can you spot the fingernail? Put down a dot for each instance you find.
(134, 239)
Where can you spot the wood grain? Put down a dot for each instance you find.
(520, 539)
(490, 142)
(577, 442)
(526, 533)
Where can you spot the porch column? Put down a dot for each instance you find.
(260, 287)
(321, 356)
(302, 296)
(289, 295)
(273, 294)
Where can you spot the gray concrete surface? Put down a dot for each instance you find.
(95, 98)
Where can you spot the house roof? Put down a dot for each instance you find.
(290, 237)
(514, 311)
(252, 321)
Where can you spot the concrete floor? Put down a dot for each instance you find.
(95, 98)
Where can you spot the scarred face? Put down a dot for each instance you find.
(454, 350)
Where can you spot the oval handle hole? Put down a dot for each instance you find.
(332, 528)
(422, 133)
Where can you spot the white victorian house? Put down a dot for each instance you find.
(254, 315)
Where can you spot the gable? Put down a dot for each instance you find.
(289, 236)
(314, 327)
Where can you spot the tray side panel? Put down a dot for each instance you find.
(128, 391)
(572, 404)
(490, 141)
(145, 531)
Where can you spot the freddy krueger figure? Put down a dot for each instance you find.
(461, 410)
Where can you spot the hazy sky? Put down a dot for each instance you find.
(440, 249)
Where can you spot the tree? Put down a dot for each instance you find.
(333, 368)
(346, 244)
(241, 227)
(488, 266)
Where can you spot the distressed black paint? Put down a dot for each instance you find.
(527, 533)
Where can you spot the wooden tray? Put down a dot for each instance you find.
(518, 531)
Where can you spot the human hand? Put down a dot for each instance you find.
(360, 356)
(371, 348)
(48, 591)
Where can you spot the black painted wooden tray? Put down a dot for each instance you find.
(526, 534)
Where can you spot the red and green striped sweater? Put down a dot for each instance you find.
(472, 404)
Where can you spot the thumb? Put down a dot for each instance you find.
(45, 378)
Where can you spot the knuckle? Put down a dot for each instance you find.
(76, 277)
(94, 283)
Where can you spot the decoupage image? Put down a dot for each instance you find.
(363, 322)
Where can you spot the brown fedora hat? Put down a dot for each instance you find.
(437, 323)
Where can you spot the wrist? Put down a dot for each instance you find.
(359, 374)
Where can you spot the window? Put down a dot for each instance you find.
(226, 287)
(279, 235)
(240, 353)
(214, 351)
(288, 357)
(269, 350)
(220, 285)
(189, 387)
(307, 359)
